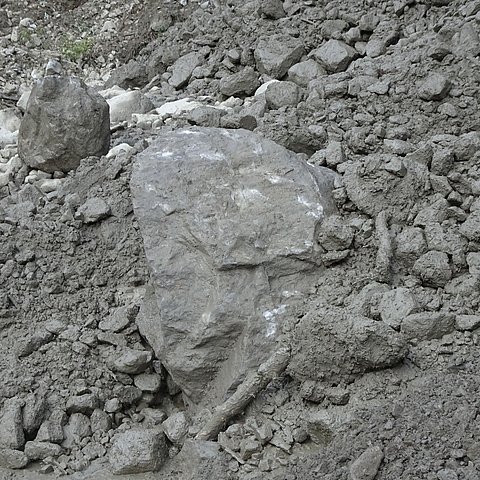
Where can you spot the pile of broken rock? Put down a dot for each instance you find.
(243, 257)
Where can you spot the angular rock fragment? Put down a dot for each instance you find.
(41, 450)
(9, 120)
(93, 210)
(302, 73)
(228, 222)
(428, 325)
(138, 451)
(132, 361)
(334, 234)
(176, 427)
(366, 466)
(11, 425)
(205, 116)
(435, 87)
(77, 428)
(335, 55)
(276, 54)
(51, 430)
(123, 106)
(467, 322)
(100, 421)
(116, 321)
(33, 343)
(433, 268)
(282, 94)
(322, 424)
(244, 82)
(272, 9)
(14, 459)
(148, 382)
(65, 121)
(86, 403)
(466, 146)
(132, 74)
(34, 413)
(182, 69)
(471, 227)
(397, 304)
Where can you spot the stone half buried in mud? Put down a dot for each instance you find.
(228, 220)
(331, 344)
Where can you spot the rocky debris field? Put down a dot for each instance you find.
(240, 240)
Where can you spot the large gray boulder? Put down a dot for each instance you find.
(228, 220)
(65, 121)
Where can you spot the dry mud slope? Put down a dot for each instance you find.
(381, 379)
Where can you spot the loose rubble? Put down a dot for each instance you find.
(232, 309)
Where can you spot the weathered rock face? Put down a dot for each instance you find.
(228, 221)
(65, 121)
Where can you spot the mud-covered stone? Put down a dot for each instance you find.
(335, 55)
(123, 106)
(303, 72)
(183, 67)
(138, 451)
(132, 361)
(245, 82)
(433, 268)
(428, 325)
(372, 188)
(226, 231)
(397, 304)
(176, 427)
(11, 425)
(282, 94)
(330, 344)
(14, 459)
(40, 450)
(435, 87)
(65, 121)
(277, 53)
(366, 466)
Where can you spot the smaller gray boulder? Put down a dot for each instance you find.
(335, 55)
(435, 87)
(366, 466)
(124, 105)
(282, 94)
(302, 73)
(93, 210)
(65, 121)
(11, 425)
(138, 451)
(331, 344)
(274, 55)
(243, 82)
(433, 268)
(428, 325)
(183, 68)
